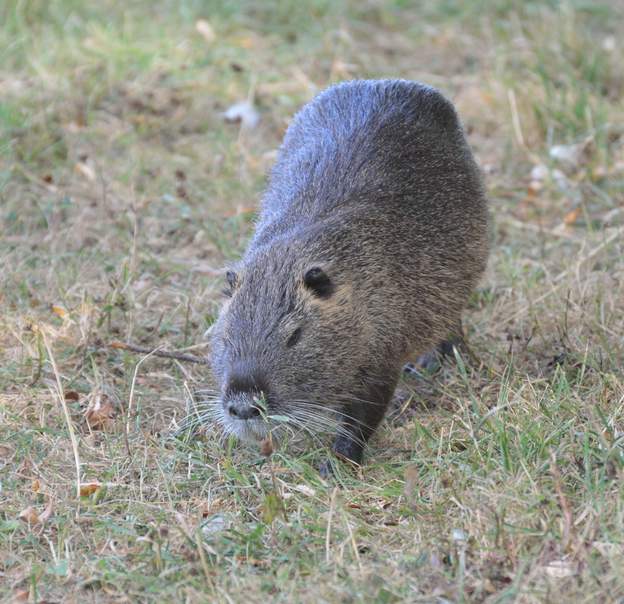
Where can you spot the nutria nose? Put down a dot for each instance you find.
(241, 409)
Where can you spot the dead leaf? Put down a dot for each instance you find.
(88, 488)
(559, 569)
(85, 170)
(539, 172)
(458, 534)
(205, 30)
(266, 447)
(609, 44)
(239, 211)
(247, 41)
(36, 486)
(32, 517)
(59, 311)
(205, 509)
(45, 515)
(29, 515)
(573, 156)
(215, 524)
(243, 113)
(253, 561)
(572, 216)
(608, 549)
(100, 412)
(305, 489)
(565, 153)
(538, 176)
(21, 595)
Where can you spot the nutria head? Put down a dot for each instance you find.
(287, 342)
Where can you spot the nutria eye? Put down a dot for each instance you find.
(294, 338)
(317, 281)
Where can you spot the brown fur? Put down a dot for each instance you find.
(376, 186)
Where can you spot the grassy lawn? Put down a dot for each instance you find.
(123, 191)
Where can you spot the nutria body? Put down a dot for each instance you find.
(371, 236)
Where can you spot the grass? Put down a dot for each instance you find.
(123, 192)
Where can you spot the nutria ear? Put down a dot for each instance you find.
(232, 282)
(318, 282)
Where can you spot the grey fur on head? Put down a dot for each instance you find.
(372, 234)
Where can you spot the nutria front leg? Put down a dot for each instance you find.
(361, 419)
(350, 442)
(355, 433)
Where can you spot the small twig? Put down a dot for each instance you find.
(189, 358)
(68, 420)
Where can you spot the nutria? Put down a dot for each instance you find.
(373, 232)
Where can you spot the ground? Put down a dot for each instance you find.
(123, 193)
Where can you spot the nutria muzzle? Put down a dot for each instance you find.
(245, 400)
(244, 415)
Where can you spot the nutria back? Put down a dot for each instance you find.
(372, 234)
